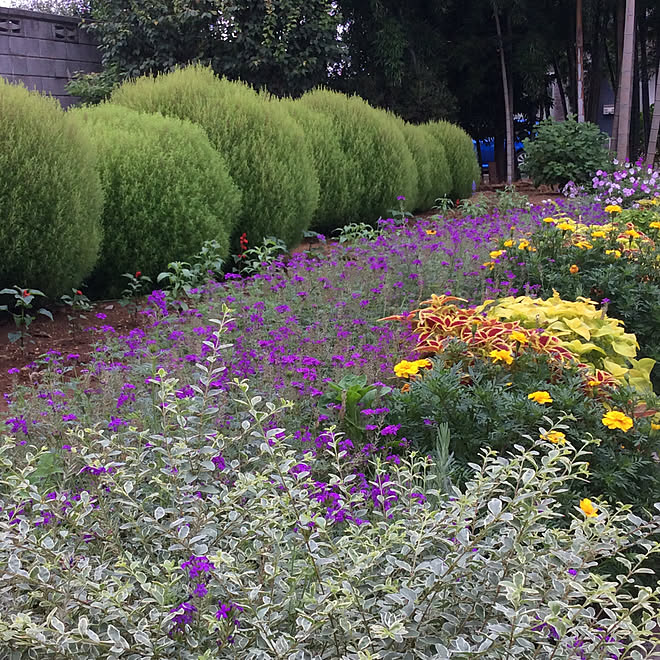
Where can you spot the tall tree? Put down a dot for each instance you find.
(624, 96)
(655, 123)
(579, 51)
(508, 107)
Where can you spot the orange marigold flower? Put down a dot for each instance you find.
(615, 419)
(573, 269)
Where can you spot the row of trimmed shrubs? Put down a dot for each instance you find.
(185, 157)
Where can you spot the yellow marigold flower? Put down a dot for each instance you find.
(518, 336)
(564, 226)
(655, 225)
(616, 253)
(598, 234)
(548, 220)
(615, 419)
(496, 253)
(632, 233)
(540, 397)
(655, 427)
(556, 437)
(501, 354)
(489, 264)
(573, 269)
(431, 232)
(509, 243)
(593, 383)
(583, 245)
(613, 208)
(405, 368)
(587, 507)
(523, 244)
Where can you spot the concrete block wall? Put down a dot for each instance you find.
(44, 51)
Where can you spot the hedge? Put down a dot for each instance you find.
(50, 195)
(167, 191)
(383, 167)
(265, 148)
(463, 164)
(334, 167)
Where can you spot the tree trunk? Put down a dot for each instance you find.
(626, 83)
(579, 52)
(655, 123)
(596, 70)
(644, 75)
(634, 110)
(560, 86)
(619, 20)
(508, 114)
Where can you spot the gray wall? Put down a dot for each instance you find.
(44, 51)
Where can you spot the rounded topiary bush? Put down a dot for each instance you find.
(50, 195)
(420, 149)
(383, 165)
(334, 167)
(463, 164)
(264, 147)
(440, 183)
(167, 191)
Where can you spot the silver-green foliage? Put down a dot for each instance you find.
(382, 164)
(461, 156)
(50, 194)
(487, 572)
(264, 146)
(167, 191)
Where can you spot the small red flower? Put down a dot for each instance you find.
(139, 272)
(26, 293)
(79, 292)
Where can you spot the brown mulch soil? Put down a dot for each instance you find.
(61, 335)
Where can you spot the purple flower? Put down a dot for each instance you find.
(392, 429)
(197, 566)
(115, 423)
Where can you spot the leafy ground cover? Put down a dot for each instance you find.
(269, 468)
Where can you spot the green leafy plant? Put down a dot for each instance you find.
(21, 308)
(400, 215)
(356, 231)
(444, 205)
(93, 88)
(256, 258)
(353, 394)
(137, 284)
(564, 151)
(78, 303)
(509, 199)
(487, 404)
